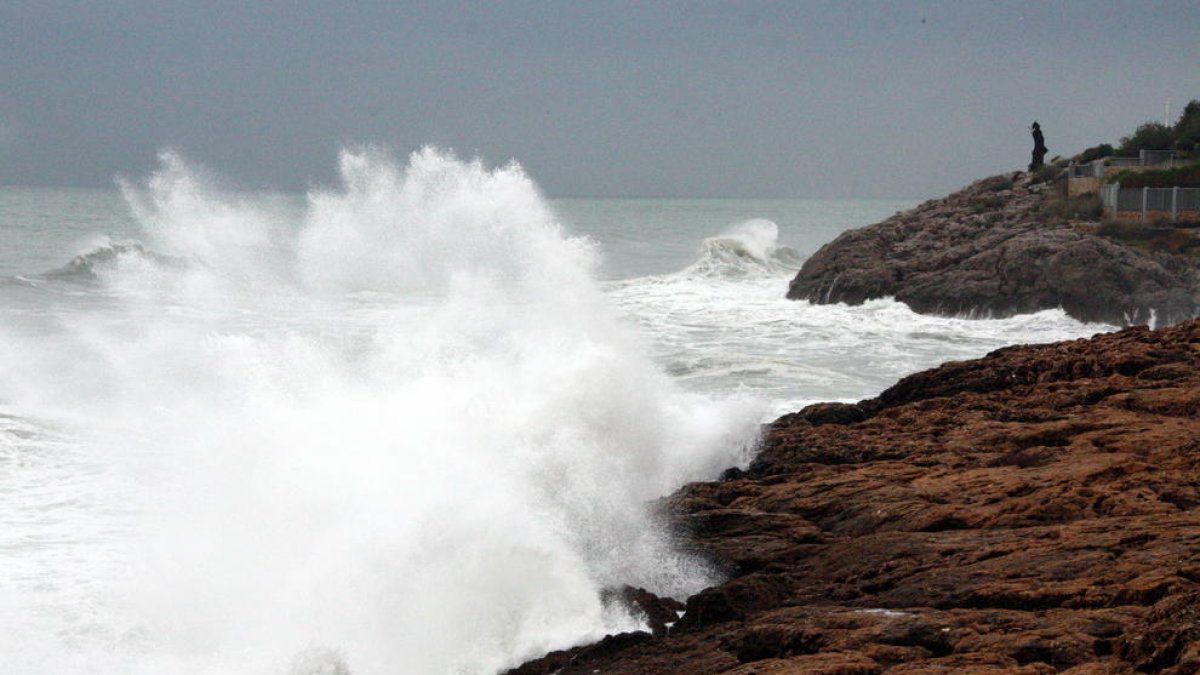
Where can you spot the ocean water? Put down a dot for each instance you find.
(407, 423)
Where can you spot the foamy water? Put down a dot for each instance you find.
(399, 426)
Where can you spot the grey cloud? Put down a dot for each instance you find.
(872, 99)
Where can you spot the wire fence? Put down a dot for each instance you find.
(1174, 204)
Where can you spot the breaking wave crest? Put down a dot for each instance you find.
(748, 250)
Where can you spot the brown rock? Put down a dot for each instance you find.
(1034, 511)
(829, 663)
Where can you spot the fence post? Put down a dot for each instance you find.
(1145, 192)
(1174, 204)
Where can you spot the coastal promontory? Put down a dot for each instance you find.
(1005, 245)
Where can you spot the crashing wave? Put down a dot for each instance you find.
(401, 423)
(747, 250)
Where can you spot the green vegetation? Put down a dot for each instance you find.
(1187, 130)
(1184, 176)
(1095, 152)
(1183, 137)
(1149, 136)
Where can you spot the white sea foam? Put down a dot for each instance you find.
(408, 434)
(724, 324)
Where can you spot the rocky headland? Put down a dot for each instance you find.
(1004, 245)
(1033, 511)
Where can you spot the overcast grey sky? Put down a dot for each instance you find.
(788, 99)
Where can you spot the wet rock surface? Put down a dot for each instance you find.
(994, 249)
(1033, 511)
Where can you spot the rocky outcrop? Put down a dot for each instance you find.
(1034, 511)
(994, 248)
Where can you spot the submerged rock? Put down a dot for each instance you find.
(1032, 511)
(994, 249)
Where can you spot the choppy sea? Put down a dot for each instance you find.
(406, 423)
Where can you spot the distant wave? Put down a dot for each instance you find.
(90, 266)
(747, 250)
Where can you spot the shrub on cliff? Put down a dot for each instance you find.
(1149, 136)
(1095, 152)
(1187, 176)
(1188, 126)
(1183, 136)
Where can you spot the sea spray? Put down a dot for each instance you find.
(400, 430)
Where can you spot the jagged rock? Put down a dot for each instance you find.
(989, 250)
(658, 612)
(1034, 511)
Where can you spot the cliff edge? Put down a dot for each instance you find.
(997, 248)
(1033, 511)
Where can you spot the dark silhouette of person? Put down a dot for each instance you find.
(1039, 148)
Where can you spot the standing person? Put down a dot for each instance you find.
(1039, 148)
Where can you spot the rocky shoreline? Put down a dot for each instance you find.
(1033, 511)
(1003, 245)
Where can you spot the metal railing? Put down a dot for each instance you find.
(1151, 157)
(1147, 201)
(1109, 194)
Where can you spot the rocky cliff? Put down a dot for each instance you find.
(1034, 511)
(997, 247)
